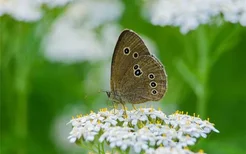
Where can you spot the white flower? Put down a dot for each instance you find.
(27, 10)
(86, 129)
(168, 150)
(139, 130)
(143, 137)
(23, 10)
(189, 14)
(75, 35)
(54, 3)
(234, 11)
(118, 137)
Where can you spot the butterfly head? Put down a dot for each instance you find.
(108, 93)
(114, 96)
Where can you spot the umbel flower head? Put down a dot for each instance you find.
(189, 14)
(142, 130)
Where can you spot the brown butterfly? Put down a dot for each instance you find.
(136, 75)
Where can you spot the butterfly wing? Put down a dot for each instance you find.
(145, 80)
(128, 46)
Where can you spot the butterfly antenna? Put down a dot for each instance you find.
(85, 96)
(100, 91)
(115, 105)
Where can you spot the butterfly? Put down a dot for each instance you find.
(136, 75)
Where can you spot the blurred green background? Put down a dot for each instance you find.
(206, 73)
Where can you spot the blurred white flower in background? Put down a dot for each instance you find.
(234, 11)
(58, 133)
(27, 10)
(86, 31)
(68, 44)
(53, 3)
(189, 14)
(22, 10)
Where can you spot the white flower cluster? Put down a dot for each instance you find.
(168, 150)
(86, 31)
(27, 10)
(189, 14)
(142, 129)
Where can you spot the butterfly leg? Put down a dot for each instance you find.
(115, 105)
(134, 107)
(124, 107)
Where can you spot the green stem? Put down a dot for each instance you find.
(99, 148)
(188, 75)
(203, 71)
(127, 150)
(225, 44)
(88, 147)
(103, 151)
(202, 102)
(202, 53)
(21, 107)
(22, 70)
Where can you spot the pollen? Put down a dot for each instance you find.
(125, 116)
(176, 112)
(186, 148)
(200, 151)
(104, 109)
(188, 122)
(151, 109)
(141, 109)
